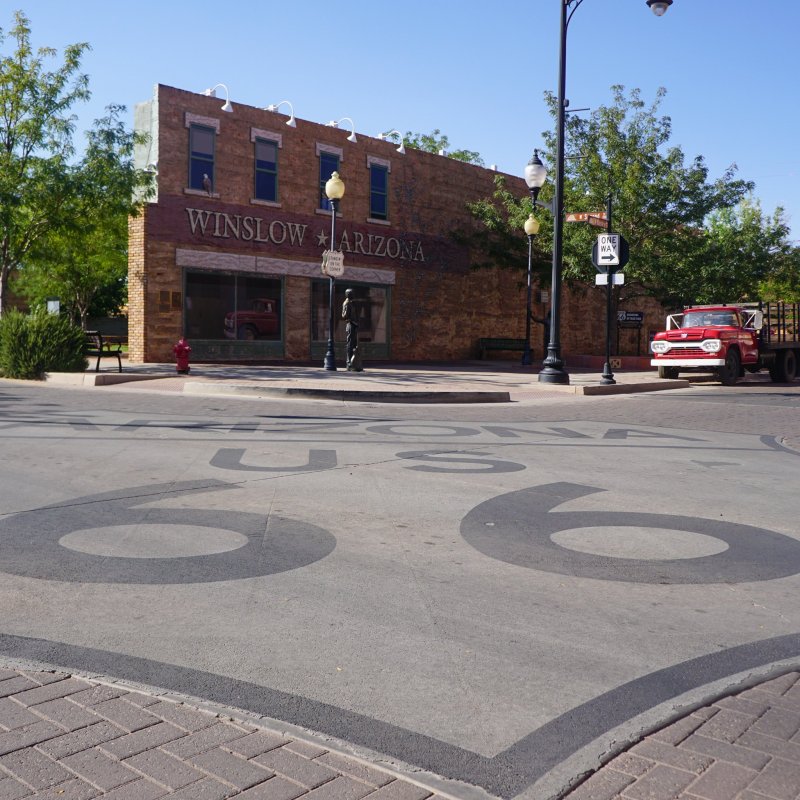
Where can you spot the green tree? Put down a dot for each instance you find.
(744, 249)
(83, 260)
(436, 142)
(35, 142)
(660, 199)
(500, 240)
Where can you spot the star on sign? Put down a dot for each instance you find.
(322, 239)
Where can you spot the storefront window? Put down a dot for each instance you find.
(232, 306)
(372, 308)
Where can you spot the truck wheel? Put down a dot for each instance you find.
(786, 366)
(668, 372)
(790, 364)
(247, 333)
(729, 374)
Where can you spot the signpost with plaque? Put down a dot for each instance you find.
(333, 263)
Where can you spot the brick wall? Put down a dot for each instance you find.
(439, 306)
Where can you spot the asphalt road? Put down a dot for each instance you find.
(499, 595)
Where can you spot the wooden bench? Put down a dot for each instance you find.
(102, 346)
(485, 345)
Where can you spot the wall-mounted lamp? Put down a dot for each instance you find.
(334, 123)
(212, 92)
(402, 148)
(275, 106)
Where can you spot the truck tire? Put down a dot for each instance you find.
(786, 363)
(729, 373)
(668, 372)
(246, 333)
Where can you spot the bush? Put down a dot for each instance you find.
(32, 345)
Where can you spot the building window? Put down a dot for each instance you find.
(328, 164)
(232, 306)
(372, 308)
(201, 158)
(266, 170)
(378, 191)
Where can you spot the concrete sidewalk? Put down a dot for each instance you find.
(69, 737)
(466, 382)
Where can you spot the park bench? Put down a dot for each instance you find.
(102, 346)
(485, 345)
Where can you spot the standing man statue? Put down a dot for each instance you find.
(349, 314)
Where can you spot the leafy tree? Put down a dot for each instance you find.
(35, 142)
(660, 201)
(435, 142)
(743, 250)
(783, 281)
(501, 239)
(84, 259)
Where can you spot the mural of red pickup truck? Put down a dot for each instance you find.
(259, 321)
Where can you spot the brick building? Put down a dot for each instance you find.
(238, 225)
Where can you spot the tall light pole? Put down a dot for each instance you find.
(553, 370)
(531, 229)
(334, 189)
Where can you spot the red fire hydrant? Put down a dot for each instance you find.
(182, 350)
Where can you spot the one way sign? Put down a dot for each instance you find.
(609, 252)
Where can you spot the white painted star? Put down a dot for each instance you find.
(322, 239)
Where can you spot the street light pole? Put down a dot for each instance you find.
(553, 370)
(334, 189)
(531, 229)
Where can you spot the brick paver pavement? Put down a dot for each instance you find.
(68, 738)
(63, 737)
(743, 747)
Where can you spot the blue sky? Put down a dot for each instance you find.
(476, 70)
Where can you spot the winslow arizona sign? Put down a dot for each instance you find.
(206, 223)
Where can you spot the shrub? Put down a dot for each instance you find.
(38, 343)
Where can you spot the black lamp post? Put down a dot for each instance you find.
(535, 176)
(334, 189)
(553, 370)
(531, 229)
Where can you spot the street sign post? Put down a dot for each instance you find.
(610, 252)
(333, 263)
(617, 279)
(597, 218)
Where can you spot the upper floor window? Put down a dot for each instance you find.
(328, 164)
(201, 157)
(378, 191)
(266, 170)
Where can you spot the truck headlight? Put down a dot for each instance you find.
(711, 345)
(660, 347)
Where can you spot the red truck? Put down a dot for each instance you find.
(729, 340)
(261, 320)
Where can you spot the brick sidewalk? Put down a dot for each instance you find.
(66, 738)
(743, 747)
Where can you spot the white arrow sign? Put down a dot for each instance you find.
(608, 248)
